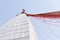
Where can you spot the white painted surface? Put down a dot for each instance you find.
(19, 28)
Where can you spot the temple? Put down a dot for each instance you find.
(23, 27)
(18, 28)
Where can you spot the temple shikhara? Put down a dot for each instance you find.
(22, 28)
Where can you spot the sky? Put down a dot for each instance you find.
(46, 29)
(10, 8)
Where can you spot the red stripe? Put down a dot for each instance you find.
(46, 15)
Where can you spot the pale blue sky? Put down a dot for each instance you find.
(10, 8)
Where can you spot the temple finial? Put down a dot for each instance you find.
(23, 11)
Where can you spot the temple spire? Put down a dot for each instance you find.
(23, 11)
